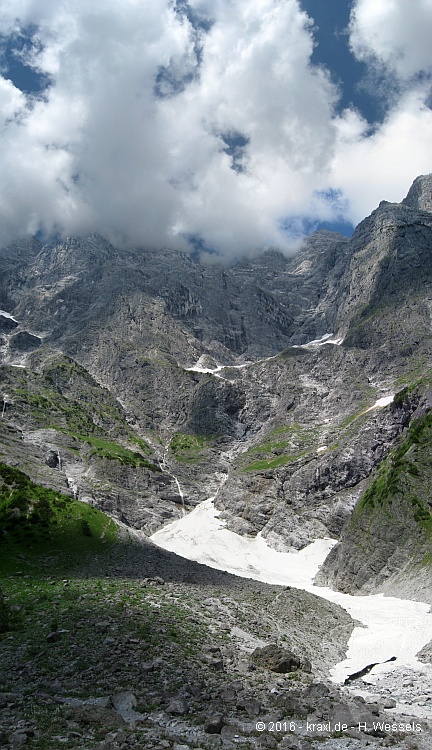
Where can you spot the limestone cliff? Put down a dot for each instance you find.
(113, 383)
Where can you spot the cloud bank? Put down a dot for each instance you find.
(199, 123)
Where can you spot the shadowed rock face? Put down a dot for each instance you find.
(288, 443)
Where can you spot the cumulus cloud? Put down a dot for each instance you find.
(188, 123)
(395, 33)
(392, 37)
(370, 167)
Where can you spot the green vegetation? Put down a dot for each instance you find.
(50, 409)
(406, 471)
(115, 452)
(411, 384)
(67, 399)
(187, 448)
(284, 444)
(35, 521)
(91, 617)
(288, 443)
(64, 395)
(263, 464)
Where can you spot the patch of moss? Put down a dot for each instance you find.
(116, 452)
(284, 444)
(187, 448)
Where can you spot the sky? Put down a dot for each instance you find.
(212, 126)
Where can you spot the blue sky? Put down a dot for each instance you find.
(332, 50)
(13, 53)
(237, 124)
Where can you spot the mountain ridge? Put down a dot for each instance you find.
(291, 419)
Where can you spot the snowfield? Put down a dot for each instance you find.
(390, 627)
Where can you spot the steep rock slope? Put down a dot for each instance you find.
(102, 392)
(387, 543)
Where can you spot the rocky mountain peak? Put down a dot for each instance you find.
(420, 193)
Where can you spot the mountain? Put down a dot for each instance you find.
(292, 388)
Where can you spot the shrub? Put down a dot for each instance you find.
(85, 527)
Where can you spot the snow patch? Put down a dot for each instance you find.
(389, 626)
(216, 370)
(384, 401)
(326, 339)
(8, 315)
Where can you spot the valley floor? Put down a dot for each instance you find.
(388, 627)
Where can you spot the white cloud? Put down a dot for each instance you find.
(382, 166)
(369, 167)
(101, 152)
(396, 32)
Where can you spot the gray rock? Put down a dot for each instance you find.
(18, 739)
(177, 707)
(53, 637)
(213, 658)
(316, 691)
(276, 659)
(228, 695)
(24, 341)
(214, 724)
(97, 715)
(124, 703)
(351, 715)
(252, 706)
(103, 626)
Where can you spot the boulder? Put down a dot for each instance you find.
(276, 659)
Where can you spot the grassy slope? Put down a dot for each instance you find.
(35, 522)
(80, 618)
(404, 479)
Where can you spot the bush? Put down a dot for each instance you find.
(85, 527)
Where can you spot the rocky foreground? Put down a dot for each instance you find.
(146, 650)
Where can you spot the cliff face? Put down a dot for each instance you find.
(111, 386)
(386, 543)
